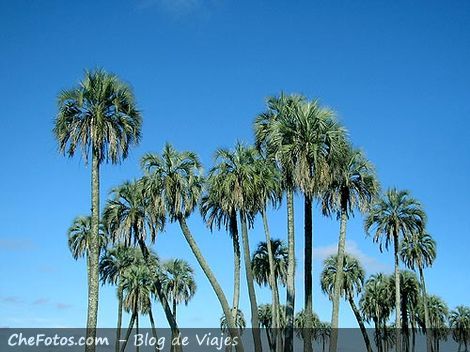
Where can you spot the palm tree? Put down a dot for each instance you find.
(137, 284)
(269, 191)
(217, 209)
(132, 219)
(323, 332)
(174, 183)
(419, 251)
(178, 282)
(394, 216)
(261, 268)
(79, 237)
(307, 135)
(239, 321)
(353, 185)
(437, 314)
(409, 293)
(99, 117)
(273, 141)
(304, 323)
(239, 176)
(375, 305)
(351, 285)
(265, 317)
(459, 322)
(112, 266)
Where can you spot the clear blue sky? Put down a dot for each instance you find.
(396, 72)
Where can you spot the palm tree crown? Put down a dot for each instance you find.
(353, 183)
(79, 236)
(100, 114)
(174, 180)
(178, 281)
(418, 250)
(395, 214)
(260, 262)
(129, 214)
(353, 278)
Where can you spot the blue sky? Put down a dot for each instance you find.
(397, 73)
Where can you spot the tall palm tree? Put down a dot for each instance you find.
(239, 173)
(133, 219)
(272, 139)
(417, 252)
(174, 182)
(114, 262)
(218, 210)
(394, 216)
(308, 135)
(99, 117)
(459, 322)
(375, 305)
(178, 282)
(353, 185)
(79, 237)
(351, 285)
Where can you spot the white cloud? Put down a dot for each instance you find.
(371, 264)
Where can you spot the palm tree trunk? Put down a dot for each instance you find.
(119, 320)
(308, 274)
(93, 275)
(137, 329)
(378, 339)
(290, 302)
(174, 308)
(234, 332)
(129, 330)
(152, 323)
(397, 294)
(278, 343)
(236, 262)
(250, 283)
(272, 278)
(338, 280)
(360, 322)
(427, 323)
(160, 293)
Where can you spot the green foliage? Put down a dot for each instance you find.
(178, 281)
(100, 115)
(260, 262)
(397, 213)
(353, 276)
(79, 234)
(173, 181)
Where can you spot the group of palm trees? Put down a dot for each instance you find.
(300, 149)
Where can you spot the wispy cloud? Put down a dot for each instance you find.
(11, 300)
(370, 263)
(12, 244)
(62, 306)
(41, 301)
